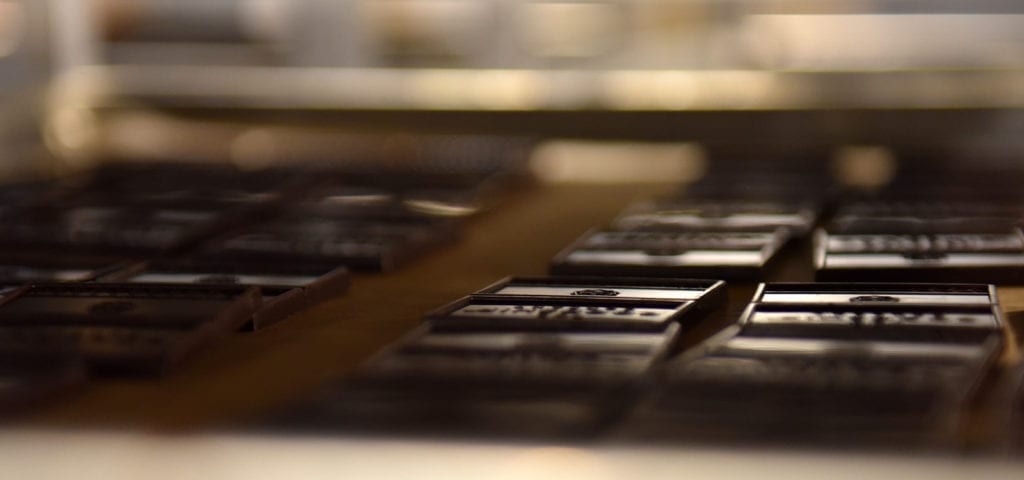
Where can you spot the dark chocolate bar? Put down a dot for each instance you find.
(499, 412)
(557, 315)
(815, 376)
(715, 254)
(738, 388)
(936, 206)
(915, 249)
(710, 292)
(27, 380)
(272, 277)
(580, 304)
(324, 241)
(286, 288)
(874, 322)
(556, 361)
(179, 185)
(122, 328)
(420, 160)
(388, 204)
(875, 311)
(762, 181)
(820, 293)
(697, 213)
(812, 400)
(48, 267)
(855, 351)
(535, 385)
(835, 365)
(112, 230)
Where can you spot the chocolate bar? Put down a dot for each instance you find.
(721, 214)
(389, 203)
(813, 365)
(897, 312)
(27, 380)
(420, 160)
(813, 377)
(525, 356)
(580, 304)
(937, 206)
(814, 400)
(714, 254)
(499, 412)
(833, 363)
(820, 391)
(355, 203)
(49, 267)
(272, 277)
(489, 314)
(913, 249)
(854, 350)
(710, 292)
(286, 288)
(122, 328)
(109, 230)
(900, 324)
(173, 185)
(324, 241)
(538, 360)
(939, 294)
(535, 385)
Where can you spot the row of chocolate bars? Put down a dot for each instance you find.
(933, 225)
(602, 349)
(126, 269)
(605, 359)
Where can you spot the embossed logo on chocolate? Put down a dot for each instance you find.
(596, 292)
(218, 279)
(112, 307)
(874, 298)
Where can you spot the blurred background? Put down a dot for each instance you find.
(254, 80)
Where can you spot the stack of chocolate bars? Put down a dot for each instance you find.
(119, 328)
(126, 269)
(935, 227)
(74, 257)
(524, 357)
(843, 363)
(730, 225)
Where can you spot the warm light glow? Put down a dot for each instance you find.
(611, 162)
